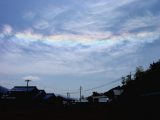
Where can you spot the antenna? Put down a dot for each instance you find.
(27, 81)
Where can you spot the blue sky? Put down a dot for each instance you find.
(62, 44)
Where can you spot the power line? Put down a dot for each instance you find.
(100, 86)
(103, 85)
(106, 84)
(97, 87)
(75, 92)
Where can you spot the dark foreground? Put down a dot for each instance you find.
(143, 109)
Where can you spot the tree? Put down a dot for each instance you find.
(127, 79)
(155, 65)
(139, 73)
(123, 80)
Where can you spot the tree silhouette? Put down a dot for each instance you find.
(123, 80)
(139, 73)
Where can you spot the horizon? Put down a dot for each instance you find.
(62, 45)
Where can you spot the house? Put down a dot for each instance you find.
(50, 98)
(114, 93)
(40, 95)
(84, 100)
(65, 100)
(23, 92)
(102, 99)
(3, 91)
(117, 92)
(97, 98)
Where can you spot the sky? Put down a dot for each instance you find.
(64, 44)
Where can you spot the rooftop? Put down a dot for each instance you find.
(24, 88)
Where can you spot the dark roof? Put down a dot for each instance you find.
(95, 94)
(111, 90)
(42, 92)
(23, 88)
(3, 89)
(63, 98)
(49, 95)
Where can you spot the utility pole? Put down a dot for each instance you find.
(27, 81)
(130, 76)
(80, 93)
(68, 95)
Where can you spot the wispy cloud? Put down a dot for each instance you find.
(69, 53)
(7, 29)
(29, 15)
(31, 77)
(141, 23)
(41, 25)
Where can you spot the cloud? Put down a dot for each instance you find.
(41, 25)
(88, 17)
(50, 12)
(29, 15)
(28, 35)
(97, 39)
(7, 29)
(83, 37)
(31, 77)
(34, 53)
(141, 23)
